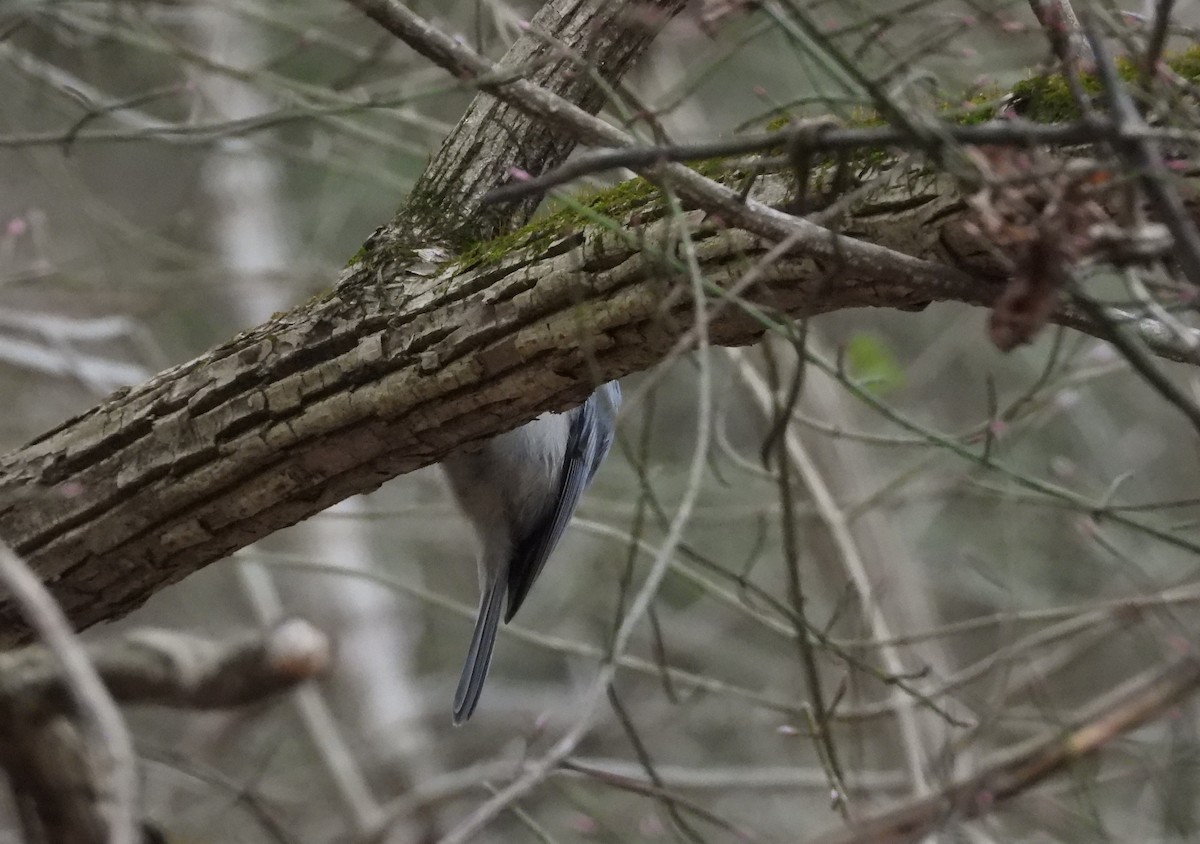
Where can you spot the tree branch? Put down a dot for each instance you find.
(174, 669)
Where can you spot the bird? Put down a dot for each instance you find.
(519, 491)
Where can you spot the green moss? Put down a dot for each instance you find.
(614, 202)
(778, 122)
(974, 109)
(1047, 99)
(538, 229)
(1186, 64)
(622, 198)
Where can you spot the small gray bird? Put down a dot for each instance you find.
(519, 491)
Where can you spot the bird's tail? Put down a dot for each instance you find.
(479, 655)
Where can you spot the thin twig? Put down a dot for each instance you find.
(818, 136)
(1157, 40)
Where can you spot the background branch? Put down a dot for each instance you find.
(1127, 708)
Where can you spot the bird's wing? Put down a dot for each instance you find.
(608, 402)
(531, 552)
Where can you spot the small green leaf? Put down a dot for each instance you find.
(871, 364)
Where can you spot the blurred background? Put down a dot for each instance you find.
(173, 172)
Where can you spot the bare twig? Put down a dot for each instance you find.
(1061, 24)
(1157, 40)
(1044, 488)
(818, 137)
(52, 770)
